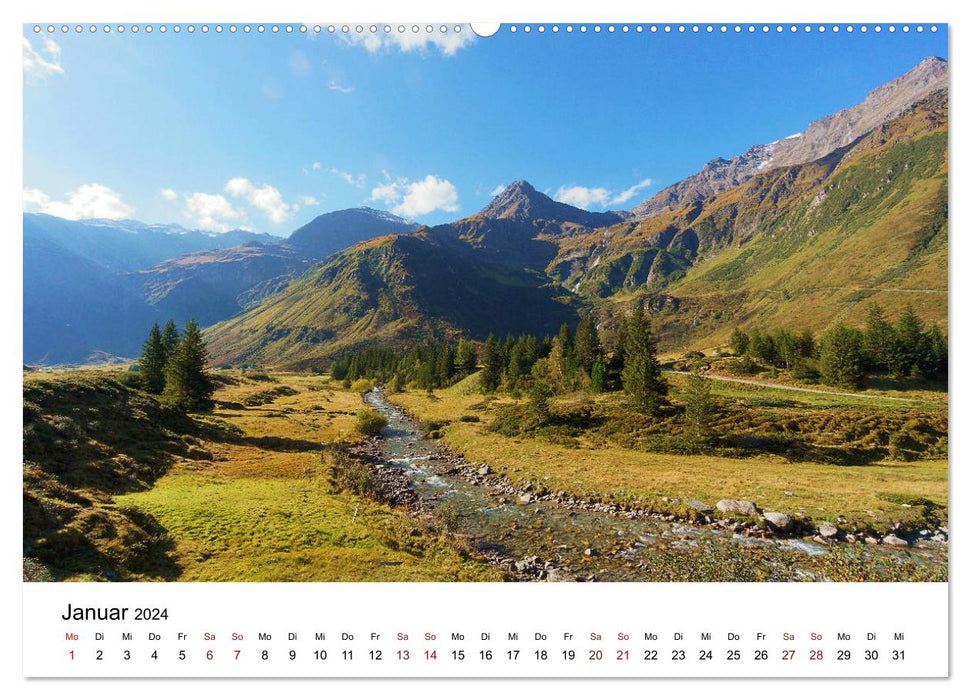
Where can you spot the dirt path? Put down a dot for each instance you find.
(769, 385)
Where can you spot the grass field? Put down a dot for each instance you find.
(874, 495)
(253, 501)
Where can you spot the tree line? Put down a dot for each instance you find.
(574, 359)
(173, 366)
(845, 355)
(577, 359)
(426, 366)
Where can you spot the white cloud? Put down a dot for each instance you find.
(448, 43)
(587, 197)
(43, 63)
(92, 201)
(316, 165)
(212, 211)
(498, 191)
(622, 197)
(353, 180)
(583, 197)
(168, 193)
(337, 87)
(266, 198)
(417, 198)
(309, 201)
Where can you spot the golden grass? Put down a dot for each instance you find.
(818, 491)
(263, 508)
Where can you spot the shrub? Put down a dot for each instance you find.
(469, 418)
(362, 385)
(744, 365)
(369, 422)
(259, 377)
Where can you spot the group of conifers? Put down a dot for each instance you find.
(173, 366)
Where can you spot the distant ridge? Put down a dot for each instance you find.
(336, 230)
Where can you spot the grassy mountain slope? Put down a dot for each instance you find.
(213, 285)
(394, 290)
(88, 438)
(336, 230)
(803, 245)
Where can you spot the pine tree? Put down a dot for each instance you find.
(841, 357)
(492, 366)
(187, 384)
(586, 342)
(565, 339)
(699, 406)
(170, 337)
(598, 376)
(444, 364)
(641, 376)
(934, 362)
(739, 341)
(879, 340)
(151, 366)
(466, 358)
(910, 345)
(539, 402)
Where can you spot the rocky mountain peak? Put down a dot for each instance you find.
(818, 139)
(521, 201)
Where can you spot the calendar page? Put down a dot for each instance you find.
(438, 349)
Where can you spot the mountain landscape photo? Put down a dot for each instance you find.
(747, 353)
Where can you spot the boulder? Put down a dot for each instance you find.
(699, 506)
(780, 522)
(560, 575)
(484, 471)
(525, 498)
(829, 530)
(894, 541)
(729, 505)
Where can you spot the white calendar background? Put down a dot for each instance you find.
(480, 630)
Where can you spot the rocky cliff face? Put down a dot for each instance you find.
(819, 138)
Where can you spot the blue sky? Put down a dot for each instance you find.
(267, 131)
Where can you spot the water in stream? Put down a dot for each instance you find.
(595, 545)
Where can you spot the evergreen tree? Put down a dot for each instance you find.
(699, 406)
(841, 357)
(879, 340)
(170, 337)
(739, 341)
(492, 366)
(565, 339)
(910, 345)
(762, 347)
(444, 364)
(641, 376)
(539, 403)
(187, 384)
(806, 344)
(598, 376)
(586, 342)
(934, 362)
(151, 366)
(620, 338)
(466, 358)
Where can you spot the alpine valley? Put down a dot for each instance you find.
(808, 229)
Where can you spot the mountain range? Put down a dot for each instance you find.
(802, 230)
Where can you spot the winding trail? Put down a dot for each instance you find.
(769, 385)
